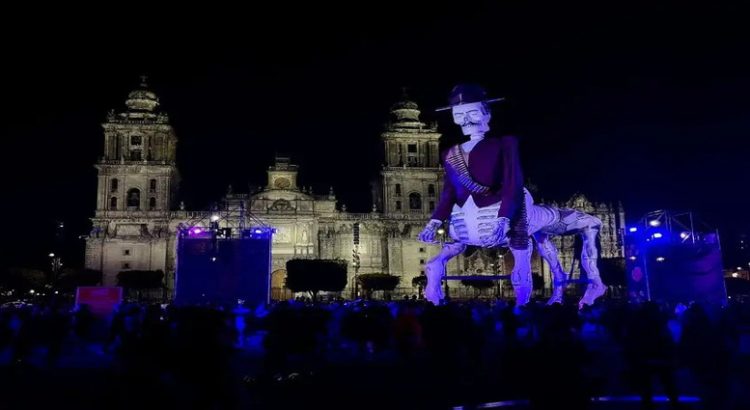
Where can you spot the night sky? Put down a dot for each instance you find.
(649, 105)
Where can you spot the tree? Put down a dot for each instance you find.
(140, 280)
(315, 275)
(371, 282)
(419, 281)
(24, 278)
(73, 278)
(478, 284)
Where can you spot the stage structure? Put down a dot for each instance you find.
(221, 260)
(674, 257)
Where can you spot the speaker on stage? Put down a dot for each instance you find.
(223, 271)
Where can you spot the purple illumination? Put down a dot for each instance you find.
(259, 232)
(197, 231)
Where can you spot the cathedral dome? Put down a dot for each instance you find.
(405, 111)
(405, 105)
(142, 99)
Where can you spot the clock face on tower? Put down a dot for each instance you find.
(281, 183)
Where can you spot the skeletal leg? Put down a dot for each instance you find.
(549, 253)
(520, 276)
(589, 257)
(435, 269)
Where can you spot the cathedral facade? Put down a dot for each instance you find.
(138, 216)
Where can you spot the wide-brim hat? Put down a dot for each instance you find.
(466, 94)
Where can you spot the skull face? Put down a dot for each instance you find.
(473, 118)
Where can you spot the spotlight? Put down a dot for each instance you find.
(258, 231)
(213, 259)
(660, 259)
(197, 231)
(684, 235)
(654, 222)
(632, 258)
(214, 218)
(633, 229)
(735, 275)
(31, 291)
(51, 255)
(441, 231)
(657, 235)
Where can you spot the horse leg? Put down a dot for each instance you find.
(589, 258)
(549, 253)
(520, 276)
(435, 269)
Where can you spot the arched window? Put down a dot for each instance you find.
(152, 203)
(431, 190)
(134, 199)
(113, 203)
(415, 201)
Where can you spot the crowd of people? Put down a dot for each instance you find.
(387, 354)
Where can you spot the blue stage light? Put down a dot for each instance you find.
(657, 235)
(633, 229)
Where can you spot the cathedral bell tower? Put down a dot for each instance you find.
(411, 178)
(137, 184)
(137, 171)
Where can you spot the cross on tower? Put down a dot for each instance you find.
(404, 93)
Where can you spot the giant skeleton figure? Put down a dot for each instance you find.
(488, 206)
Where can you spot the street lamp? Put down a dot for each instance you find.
(441, 239)
(56, 263)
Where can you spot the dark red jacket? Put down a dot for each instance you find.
(495, 163)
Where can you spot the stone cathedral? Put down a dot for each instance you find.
(138, 213)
